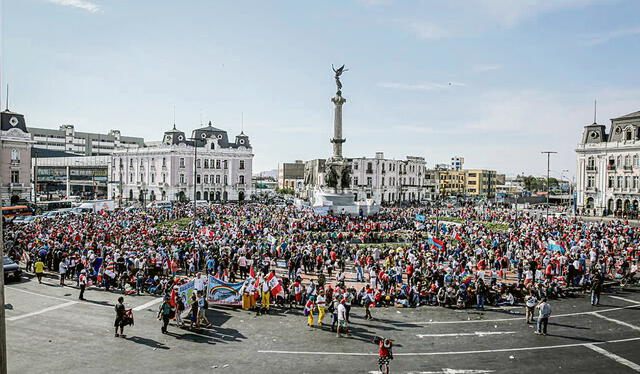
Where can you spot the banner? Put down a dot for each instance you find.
(223, 293)
(420, 217)
(185, 291)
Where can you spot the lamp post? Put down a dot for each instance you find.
(548, 153)
(195, 174)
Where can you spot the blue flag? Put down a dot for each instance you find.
(420, 217)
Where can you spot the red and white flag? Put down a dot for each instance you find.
(274, 284)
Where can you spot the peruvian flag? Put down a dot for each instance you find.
(275, 286)
(457, 237)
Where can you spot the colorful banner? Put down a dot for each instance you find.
(223, 293)
(185, 291)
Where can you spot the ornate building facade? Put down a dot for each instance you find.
(608, 168)
(222, 170)
(15, 159)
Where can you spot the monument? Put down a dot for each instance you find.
(330, 191)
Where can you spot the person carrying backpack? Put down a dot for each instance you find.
(164, 314)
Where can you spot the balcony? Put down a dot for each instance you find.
(591, 168)
(628, 168)
(611, 167)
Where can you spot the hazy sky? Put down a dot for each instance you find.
(495, 81)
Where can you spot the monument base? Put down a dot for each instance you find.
(331, 203)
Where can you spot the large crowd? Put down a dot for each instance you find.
(458, 256)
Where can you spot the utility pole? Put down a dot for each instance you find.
(3, 331)
(548, 153)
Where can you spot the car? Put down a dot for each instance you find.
(24, 220)
(11, 269)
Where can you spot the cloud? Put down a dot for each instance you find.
(620, 33)
(420, 86)
(483, 68)
(80, 4)
(510, 13)
(426, 30)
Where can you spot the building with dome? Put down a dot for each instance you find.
(206, 165)
(608, 168)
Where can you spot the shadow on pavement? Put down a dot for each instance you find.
(146, 341)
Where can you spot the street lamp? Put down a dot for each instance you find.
(548, 153)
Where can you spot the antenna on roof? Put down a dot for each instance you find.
(595, 109)
(174, 117)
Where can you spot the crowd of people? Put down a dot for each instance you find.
(452, 256)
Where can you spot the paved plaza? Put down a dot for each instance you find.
(51, 331)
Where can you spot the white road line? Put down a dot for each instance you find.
(150, 303)
(42, 311)
(475, 333)
(512, 319)
(625, 299)
(614, 357)
(449, 353)
(634, 327)
(445, 371)
(56, 298)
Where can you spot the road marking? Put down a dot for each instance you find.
(57, 298)
(476, 333)
(445, 371)
(450, 353)
(150, 303)
(625, 299)
(42, 311)
(614, 357)
(634, 327)
(511, 319)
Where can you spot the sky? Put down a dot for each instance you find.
(494, 81)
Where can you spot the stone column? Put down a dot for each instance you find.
(337, 140)
(68, 182)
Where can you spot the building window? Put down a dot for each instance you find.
(131, 178)
(369, 181)
(627, 183)
(206, 178)
(164, 162)
(206, 164)
(182, 178)
(628, 135)
(241, 180)
(15, 176)
(164, 178)
(619, 182)
(153, 178)
(197, 178)
(225, 180)
(355, 166)
(355, 181)
(225, 164)
(217, 164)
(241, 164)
(217, 179)
(382, 181)
(635, 182)
(182, 162)
(590, 181)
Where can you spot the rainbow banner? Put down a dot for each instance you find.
(223, 293)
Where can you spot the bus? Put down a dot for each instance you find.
(46, 206)
(16, 210)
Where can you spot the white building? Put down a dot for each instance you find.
(166, 171)
(457, 163)
(608, 167)
(15, 159)
(382, 180)
(67, 139)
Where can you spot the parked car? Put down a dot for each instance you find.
(11, 269)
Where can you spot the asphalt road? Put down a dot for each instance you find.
(51, 331)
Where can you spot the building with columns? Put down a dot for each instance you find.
(15, 159)
(222, 170)
(608, 167)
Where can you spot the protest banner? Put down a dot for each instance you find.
(185, 291)
(223, 293)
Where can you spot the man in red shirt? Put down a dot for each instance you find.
(384, 353)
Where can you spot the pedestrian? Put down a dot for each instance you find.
(342, 319)
(543, 316)
(203, 305)
(321, 305)
(83, 283)
(39, 269)
(120, 312)
(385, 353)
(481, 290)
(367, 299)
(193, 315)
(62, 269)
(180, 307)
(308, 310)
(333, 309)
(164, 314)
(596, 289)
(530, 306)
(265, 295)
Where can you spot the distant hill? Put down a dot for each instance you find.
(268, 173)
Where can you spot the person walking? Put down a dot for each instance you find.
(530, 306)
(321, 303)
(308, 310)
(180, 307)
(481, 290)
(543, 317)
(39, 269)
(342, 319)
(120, 311)
(62, 269)
(164, 314)
(596, 289)
(385, 353)
(82, 281)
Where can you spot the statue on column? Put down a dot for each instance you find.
(338, 72)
